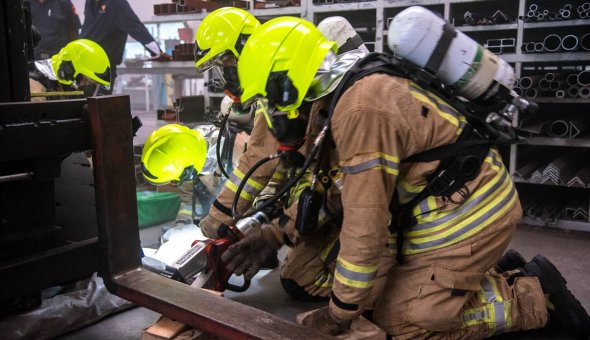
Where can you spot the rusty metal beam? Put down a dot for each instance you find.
(118, 231)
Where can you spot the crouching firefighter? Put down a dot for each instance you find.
(82, 65)
(420, 180)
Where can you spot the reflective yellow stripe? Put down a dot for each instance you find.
(277, 176)
(250, 181)
(243, 194)
(326, 251)
(354, 275)
(440, 107)
(261, 109)
(407, 191)
(324, 281)
(380, 161)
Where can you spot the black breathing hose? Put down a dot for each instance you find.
(218, 146)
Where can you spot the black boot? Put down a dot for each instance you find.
(510, 261)
(569, 314)
(271, 262)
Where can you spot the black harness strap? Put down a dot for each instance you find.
(437, 56)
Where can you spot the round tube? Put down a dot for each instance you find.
(559, 128)
(584, 92)
(569, 42)
(567, 7)
(540, 17)
(559, 17)
(580, 9)
(531, 93)
(517, 90)
(566, 14)
(573, 91)
(572, 79)
(586, 6)
(552, 16)
(530, 47)
(516, 82)
(533, 7)
(545, 12)
(560, 94)
(539, 47)
(552, 43)
(583, 78)
(585, 42)
(583, 15)
(531, 14)
(527, 82)
(555, 85)
(544, 85)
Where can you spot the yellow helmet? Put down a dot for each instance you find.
(280, 60)
(82, 57)
(222, 33)
(173, 153)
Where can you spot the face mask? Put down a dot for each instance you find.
(288, 128)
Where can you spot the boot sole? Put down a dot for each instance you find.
(569, 312)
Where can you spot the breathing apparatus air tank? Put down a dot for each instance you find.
(340, 30)
(421, 37)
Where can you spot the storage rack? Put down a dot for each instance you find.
(370, 19)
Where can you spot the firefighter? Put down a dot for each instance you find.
(81, 65)
(444, 283)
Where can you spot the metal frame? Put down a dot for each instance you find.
(119, 246)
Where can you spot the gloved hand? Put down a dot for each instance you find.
(248, 255)
(210, 226)
(163, 56)
(326, 322)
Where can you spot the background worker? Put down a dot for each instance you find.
(81, 65)
(57, 22)
(443, 286)
(108, 22)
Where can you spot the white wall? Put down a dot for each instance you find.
(143, 8)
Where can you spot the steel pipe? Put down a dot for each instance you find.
(540, 17)
(567, 7)
(16, 177)
(585, 42)
(584, 15)
(533, 7)
(517, 90)
(586, 6)
(569, 42)
(552, 43)
(584, 92)
(530, 14)
(529, 81)
(552, 16)
(531, 93)
(552, 76)
(544, 85)
(560, 94)
(545, 12)
(530, 47)
(583, 78)
(572, 79)
(573, 91)
(559, 128)
(555, 85)
(539, 47)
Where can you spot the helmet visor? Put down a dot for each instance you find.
(225, 58)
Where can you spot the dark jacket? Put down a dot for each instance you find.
(58, 23)
(108, 22)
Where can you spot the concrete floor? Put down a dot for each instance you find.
(569, 251)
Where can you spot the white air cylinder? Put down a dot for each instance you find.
(467, 66)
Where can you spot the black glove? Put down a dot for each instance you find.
(327, 323)
(248, 255)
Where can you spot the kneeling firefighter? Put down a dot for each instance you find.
(446, 215)
(81, 65)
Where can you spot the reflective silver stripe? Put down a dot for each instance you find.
(444, 108)
(476, 223)
(247, 187)
(353, 169)
(355, 276)
(500, 316)
(488, 290)
(479, 315)
(460, 211)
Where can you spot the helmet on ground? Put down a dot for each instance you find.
(173, 153)
(280, 60)
(222, 34)
(82, 58)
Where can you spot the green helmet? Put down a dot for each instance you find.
(280, 60)
(82, 57)
(222, 33)
(173, 153)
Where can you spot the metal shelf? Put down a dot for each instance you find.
(561, 100)
(261, 12)
(550, 141)
(484, 28)
(407, 3)
(549, 57)
(561, 224)
(177, 17)
(562, 23)
(349, 6)
(157, 67)
(520, 180)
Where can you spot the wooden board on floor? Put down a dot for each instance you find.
(360, 329)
